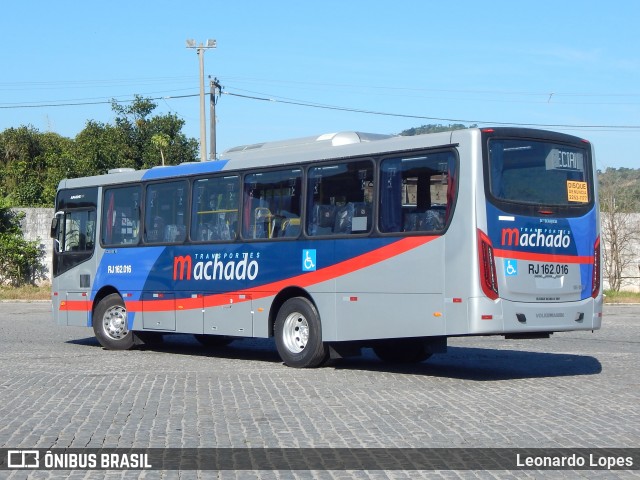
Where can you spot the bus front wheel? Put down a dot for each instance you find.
(110, 324)
(298, 333)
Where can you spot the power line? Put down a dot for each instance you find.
(97, 102)
(302, 103)
(423, 117)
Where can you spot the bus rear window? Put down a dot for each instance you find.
(537, 172)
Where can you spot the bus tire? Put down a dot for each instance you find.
(402, 351)
(110, 324)
(298, 333)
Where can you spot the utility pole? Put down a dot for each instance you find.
(200, 49)
(214, 89)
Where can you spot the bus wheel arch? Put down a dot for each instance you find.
(109, 319)
(298, 333)
(280, 299)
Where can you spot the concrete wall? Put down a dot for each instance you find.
(36, 225)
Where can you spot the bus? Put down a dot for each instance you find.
(339, 242)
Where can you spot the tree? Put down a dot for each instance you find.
(434, 128)
(98, 148)
(57, 157)
(20, 260)
(33, 163)
(129, 143)
(22, 166)
(29, 164)
(161, 142)
(137, 129)
(619, 204)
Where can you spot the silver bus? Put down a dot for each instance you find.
(338, 242)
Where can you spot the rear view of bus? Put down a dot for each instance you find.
(538, 234)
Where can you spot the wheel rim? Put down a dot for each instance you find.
(114, 322)
(295, 332)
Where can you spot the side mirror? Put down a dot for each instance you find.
(54, 227)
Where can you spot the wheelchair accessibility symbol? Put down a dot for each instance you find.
(308, 260)
(510, 268)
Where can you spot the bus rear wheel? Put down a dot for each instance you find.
(110, 324)
(298, 333)
(402, 351)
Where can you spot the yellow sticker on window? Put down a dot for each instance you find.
(577, 191)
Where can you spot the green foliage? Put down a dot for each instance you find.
(619, 190)
(137, 130)
(612, 296)
(33, 163)
(21, 261)
(22, 166)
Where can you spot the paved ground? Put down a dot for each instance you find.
(59, 388)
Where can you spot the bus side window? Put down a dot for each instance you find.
(416, 192)
(214, 211)
(272, 204)
(339, 199)
(121, 216)
(165, 210)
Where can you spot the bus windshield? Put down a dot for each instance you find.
(541, 173)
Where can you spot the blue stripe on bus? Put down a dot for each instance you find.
(155, 269)
(184, 169)
(546, 236)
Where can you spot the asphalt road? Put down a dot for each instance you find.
(60, 389)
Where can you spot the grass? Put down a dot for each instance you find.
(621, 297)
(28, 292)
(44, 293)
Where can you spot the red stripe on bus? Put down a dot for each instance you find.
(303, 280)
(343, 268)
(543, 257)
(75, 305)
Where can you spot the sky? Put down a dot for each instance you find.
(299, 68)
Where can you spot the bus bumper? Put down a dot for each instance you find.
(503, 316)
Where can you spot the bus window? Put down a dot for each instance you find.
(416, 192)
(78, 231)
(272, 204)
(339, 199)
(538, 173)
(214, 214)
(165, 208)
(121, 216)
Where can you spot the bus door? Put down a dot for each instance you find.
(73, 230)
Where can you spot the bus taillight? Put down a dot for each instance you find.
(486, 260)
(595, 281)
